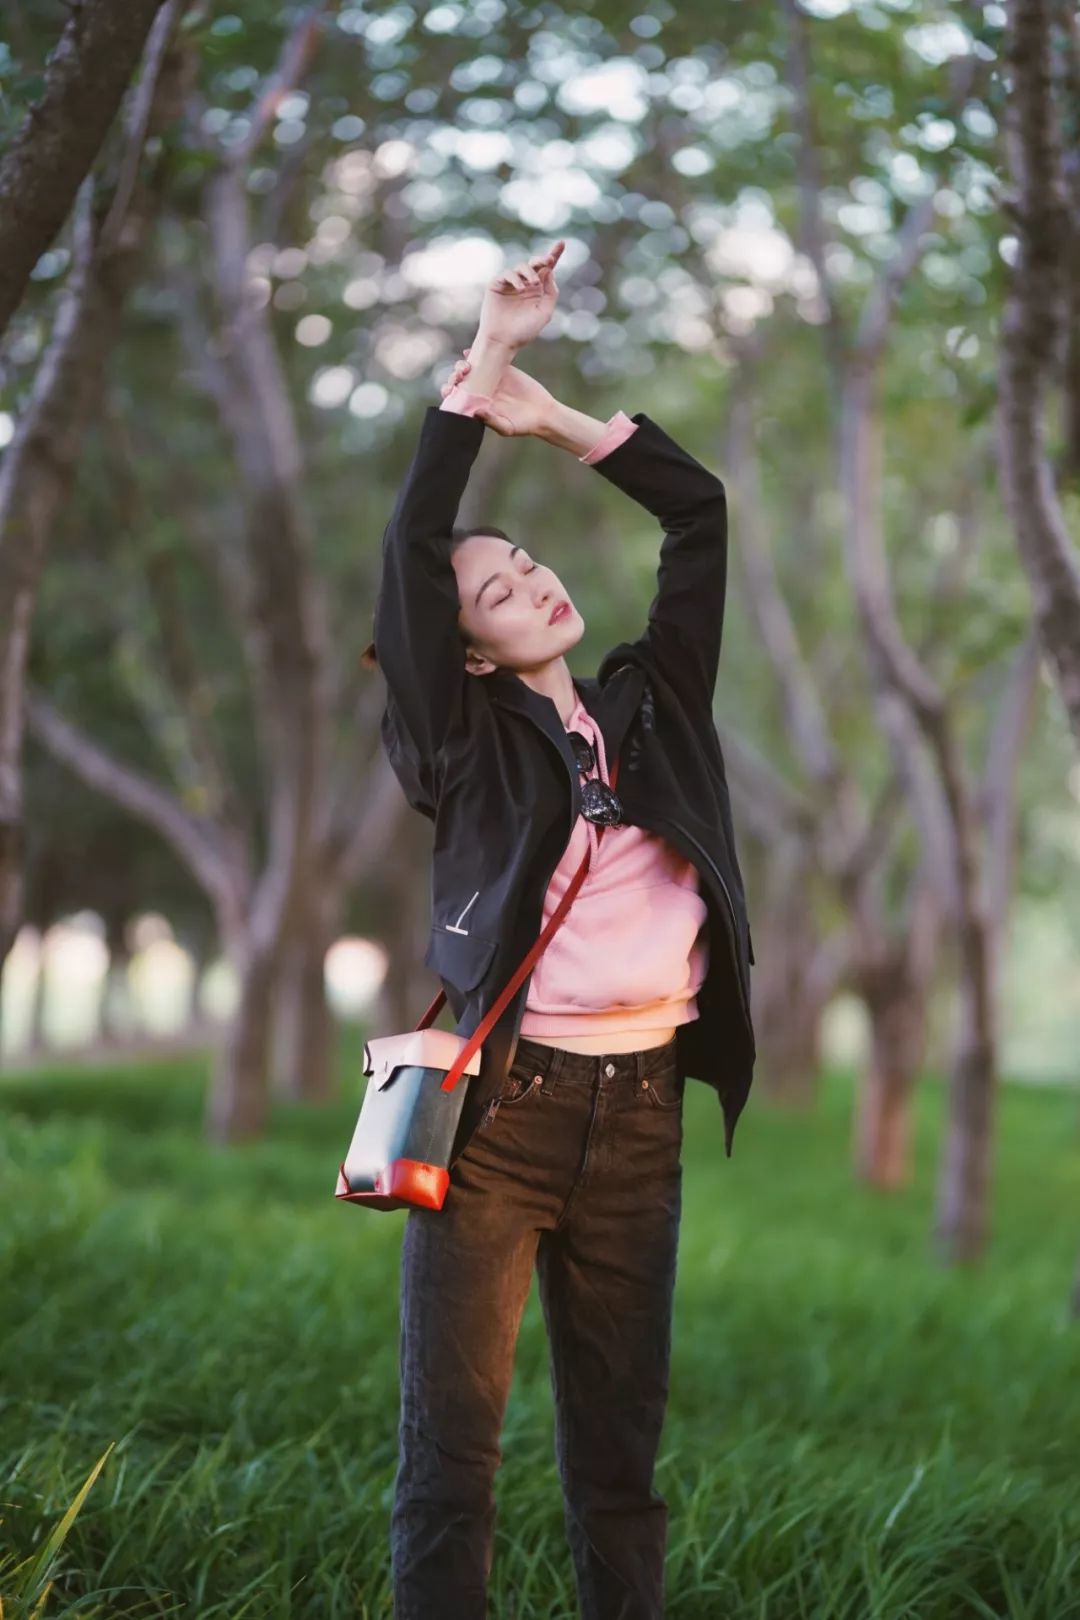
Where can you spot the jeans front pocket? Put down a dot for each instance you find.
(520, 1083)
(663, 1089)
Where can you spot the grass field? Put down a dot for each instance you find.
(855, 1433)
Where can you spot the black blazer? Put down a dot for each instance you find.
(488, 761)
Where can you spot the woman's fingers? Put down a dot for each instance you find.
(550, 258)
(531, 275)
(520, 279)
(461, 369)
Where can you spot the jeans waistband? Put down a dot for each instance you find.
(560, 1063)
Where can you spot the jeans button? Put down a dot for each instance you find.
(610, 1070)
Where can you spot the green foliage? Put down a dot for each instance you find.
(853, 1430)
(28, 1582)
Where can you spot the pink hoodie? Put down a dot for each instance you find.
(632, 951)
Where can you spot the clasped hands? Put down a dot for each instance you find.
(517, 306)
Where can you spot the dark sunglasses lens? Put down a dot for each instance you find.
(600, 804)
(583, 751)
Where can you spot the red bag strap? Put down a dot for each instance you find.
(491, 1017)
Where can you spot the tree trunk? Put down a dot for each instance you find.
(399, 1002)
(305, 1043)
(409, 985)
(287, 643)
(37, 1040)
(237, 1104)
(790, 1053)
(964, 1186)
(197, 1017)
(1033, 326)
(116, 1013)
(788, 1006)
(897, 1014)
(963, 1204)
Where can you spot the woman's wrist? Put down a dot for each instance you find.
(571, 430)
(488, 359)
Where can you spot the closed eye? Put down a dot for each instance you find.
(508, 595)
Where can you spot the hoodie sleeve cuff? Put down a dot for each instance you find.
(463, 402)
(618, 429)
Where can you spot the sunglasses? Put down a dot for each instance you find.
(600, 803)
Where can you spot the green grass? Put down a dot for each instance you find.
(855, 1432)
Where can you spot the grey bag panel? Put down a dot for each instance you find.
(409, 1117)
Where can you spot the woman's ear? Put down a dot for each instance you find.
(477, 664)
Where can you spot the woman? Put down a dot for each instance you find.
(575, 1167)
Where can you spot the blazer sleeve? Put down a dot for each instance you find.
(416, 638)
(686, 616)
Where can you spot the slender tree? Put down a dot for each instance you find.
(912, 708)
(1033, 335)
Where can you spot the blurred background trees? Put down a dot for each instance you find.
(821, 243)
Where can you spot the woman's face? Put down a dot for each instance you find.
(507, 627)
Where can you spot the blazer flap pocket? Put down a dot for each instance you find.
(461, 958)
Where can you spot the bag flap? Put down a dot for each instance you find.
(417, 1048)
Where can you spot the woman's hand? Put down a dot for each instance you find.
(518, 304)
(519, 404)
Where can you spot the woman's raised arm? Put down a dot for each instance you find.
(417, 643)
(516, 403)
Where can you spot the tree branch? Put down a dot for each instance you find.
(811, 184)
(85, 79)
(140, 117)
(194, 840)
(806, 723)
(296, 57)
(787, 808)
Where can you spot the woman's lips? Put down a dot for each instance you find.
(559, 612)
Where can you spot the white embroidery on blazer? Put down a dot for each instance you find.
(456, 928)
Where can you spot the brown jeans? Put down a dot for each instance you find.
(577, 1173)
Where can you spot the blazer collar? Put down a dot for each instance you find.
(612, 705)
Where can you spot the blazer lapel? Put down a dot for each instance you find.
(612, 706)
